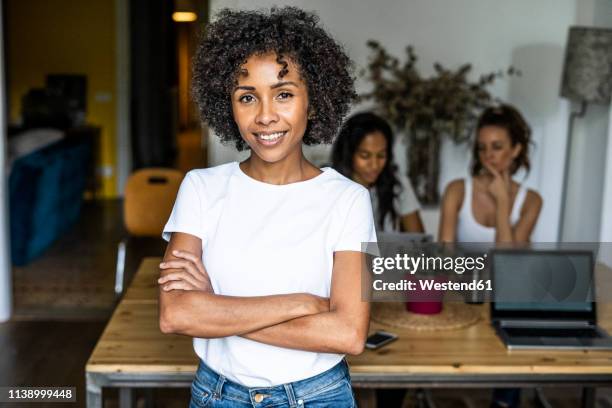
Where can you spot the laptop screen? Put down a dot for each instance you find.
(543, 283)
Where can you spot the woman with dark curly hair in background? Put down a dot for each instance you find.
(264, 256)
(363, 151)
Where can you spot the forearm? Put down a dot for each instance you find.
(329, 332)
(206, 315)
(412, 223)
(503, 230)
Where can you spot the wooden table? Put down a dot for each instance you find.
(132, 352)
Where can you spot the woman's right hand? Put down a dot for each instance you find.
(500, 187)
(189, 273)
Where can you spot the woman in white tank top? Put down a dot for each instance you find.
(490, 206)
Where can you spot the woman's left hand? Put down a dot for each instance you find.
(189, 273)
(499, 188)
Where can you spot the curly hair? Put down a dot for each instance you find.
(388, 187)
(509, 118)
(290, 33)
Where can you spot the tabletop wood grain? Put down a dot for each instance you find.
(132, 343)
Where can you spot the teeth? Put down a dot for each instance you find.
(271, 136)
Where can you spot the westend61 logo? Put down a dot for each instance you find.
(422, 263)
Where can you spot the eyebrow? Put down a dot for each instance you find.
(283, 83)
(276, 85)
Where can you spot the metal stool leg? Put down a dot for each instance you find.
(540, 399)
(120, 269)
(125, 397)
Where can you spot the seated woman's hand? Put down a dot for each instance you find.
(185, 273)
(500, 186)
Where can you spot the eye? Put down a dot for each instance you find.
(246, 98)
(285, 95)
(364, 155)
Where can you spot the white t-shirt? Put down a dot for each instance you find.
(404, 203)
(264, 239)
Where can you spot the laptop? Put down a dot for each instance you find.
(545, 299)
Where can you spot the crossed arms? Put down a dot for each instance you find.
(188, 306)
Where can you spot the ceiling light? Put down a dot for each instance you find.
(184, 16)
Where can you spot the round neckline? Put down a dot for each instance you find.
(242, 174)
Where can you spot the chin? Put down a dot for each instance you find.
(271, 155)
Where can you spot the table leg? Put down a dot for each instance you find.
(588, 397)
(125, 397)
(424, 399)
(94, 395)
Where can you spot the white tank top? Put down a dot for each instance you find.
(470, 230)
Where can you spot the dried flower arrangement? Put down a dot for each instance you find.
(426, 109)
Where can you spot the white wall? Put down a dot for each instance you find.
(491, 35)
(606, 210)
(6, 299)
(585, 207)
(587, 165)
(603, 18)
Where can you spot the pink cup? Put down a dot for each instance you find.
(423, 301)
(424, 307)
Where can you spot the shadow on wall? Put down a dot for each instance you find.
(536, 94)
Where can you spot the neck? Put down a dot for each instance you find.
(292, 169)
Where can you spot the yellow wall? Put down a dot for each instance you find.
(66, 36)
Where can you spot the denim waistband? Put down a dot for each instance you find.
(285, 394)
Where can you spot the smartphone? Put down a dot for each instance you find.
(379, 339)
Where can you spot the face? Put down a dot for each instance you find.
(370, 158)
(271, 112)
(495, 148)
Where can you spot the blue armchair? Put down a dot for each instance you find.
(45, 195)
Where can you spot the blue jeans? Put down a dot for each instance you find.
(331, 388)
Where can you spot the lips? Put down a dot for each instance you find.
(269, 138)
(372, 175)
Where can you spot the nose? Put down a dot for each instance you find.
(374, 164)
(266, 114)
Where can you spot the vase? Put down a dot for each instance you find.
(423, 301)
(424, 165)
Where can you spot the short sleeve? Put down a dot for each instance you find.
(186, 214)
(358, 226)
(407, 201)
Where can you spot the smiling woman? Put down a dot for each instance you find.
(264, 256)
